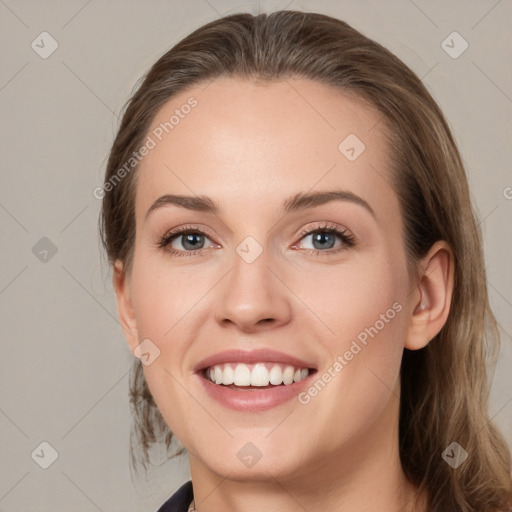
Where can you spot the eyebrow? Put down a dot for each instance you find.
(300, 201)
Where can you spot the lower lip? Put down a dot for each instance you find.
(253, 400)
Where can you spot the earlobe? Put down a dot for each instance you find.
(124, 305)
(435, 289)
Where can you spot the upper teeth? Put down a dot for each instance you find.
(259, 374)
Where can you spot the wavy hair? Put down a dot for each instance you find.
(444, 386)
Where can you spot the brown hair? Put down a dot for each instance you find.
(445, 386)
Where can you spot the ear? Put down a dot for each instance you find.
(124, 305)
(432, 298)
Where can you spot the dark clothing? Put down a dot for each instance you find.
(180, 500)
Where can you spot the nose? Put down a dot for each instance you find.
(253, 296)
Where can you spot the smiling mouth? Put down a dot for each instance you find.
(254, 377)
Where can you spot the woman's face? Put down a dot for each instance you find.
(262, 272)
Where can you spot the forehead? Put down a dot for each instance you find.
(235, 140)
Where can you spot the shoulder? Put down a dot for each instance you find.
(180, 500)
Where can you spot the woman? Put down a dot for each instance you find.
(299, 272)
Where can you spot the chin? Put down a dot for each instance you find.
(256, 462)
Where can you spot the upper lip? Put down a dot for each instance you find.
(251, 356)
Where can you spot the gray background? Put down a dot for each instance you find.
(64, 361)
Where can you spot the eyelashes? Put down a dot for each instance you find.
(176, 233)
(348, 240)
(331, 230)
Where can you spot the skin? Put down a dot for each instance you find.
(250, 147)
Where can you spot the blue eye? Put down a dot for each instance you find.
(325, 236)
(193, 239)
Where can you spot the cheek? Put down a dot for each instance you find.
(363, 365)
(367, 314)
(163, 297)
(362, 295)
(153, 302)
(163, 302)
